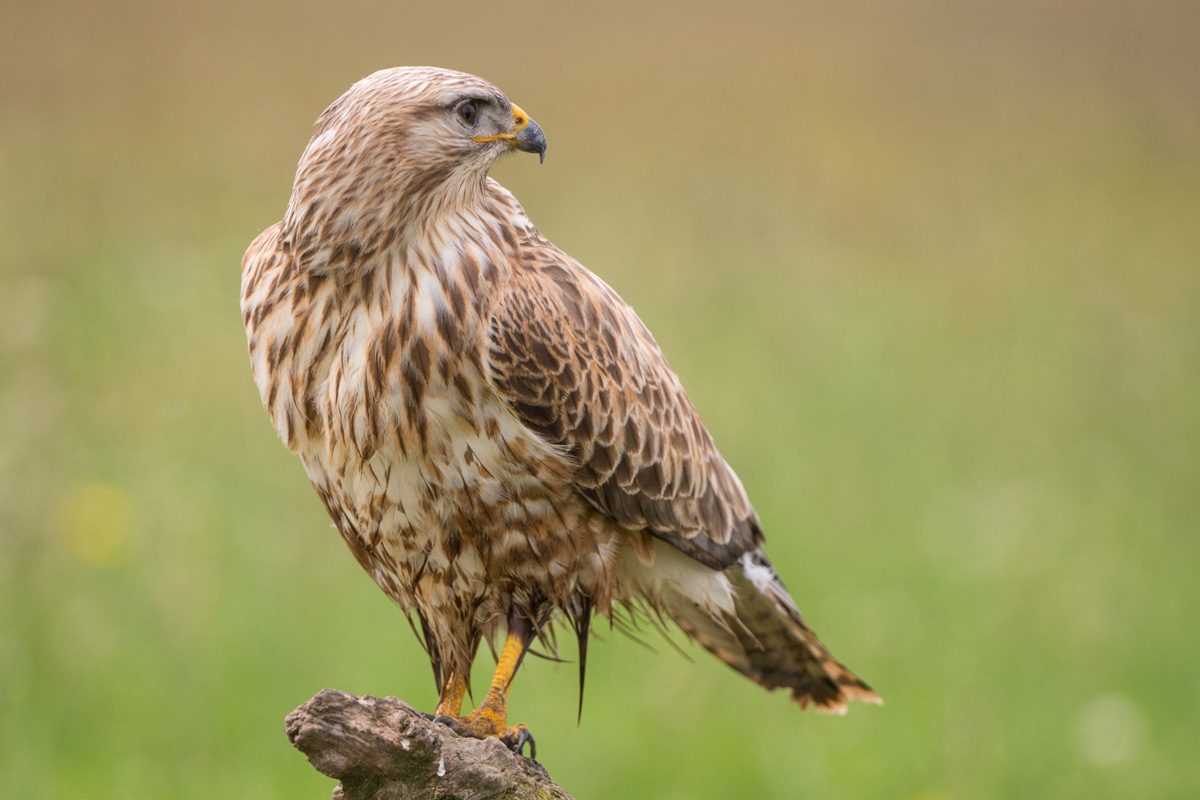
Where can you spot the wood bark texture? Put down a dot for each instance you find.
(383, 749)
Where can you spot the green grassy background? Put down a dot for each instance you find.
(931, 274)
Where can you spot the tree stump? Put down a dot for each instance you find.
(383, 749)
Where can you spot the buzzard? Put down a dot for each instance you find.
(495, 433)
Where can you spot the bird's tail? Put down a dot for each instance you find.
(766, 639)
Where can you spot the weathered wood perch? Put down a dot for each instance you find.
(383, 749)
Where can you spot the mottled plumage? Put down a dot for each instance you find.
(495, 433)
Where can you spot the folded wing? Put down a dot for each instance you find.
(577, 365)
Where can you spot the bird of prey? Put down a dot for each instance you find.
(495, 433)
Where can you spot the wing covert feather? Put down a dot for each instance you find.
(577, 366)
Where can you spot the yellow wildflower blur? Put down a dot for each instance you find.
(96, 524)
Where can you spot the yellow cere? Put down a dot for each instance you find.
(520, 121)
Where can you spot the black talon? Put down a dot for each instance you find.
(532, 746)
(523, 737)
(450, 722)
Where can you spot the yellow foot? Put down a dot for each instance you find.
(483, 723)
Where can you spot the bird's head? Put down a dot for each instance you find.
(401, 146)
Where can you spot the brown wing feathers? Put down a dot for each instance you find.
(578, 367)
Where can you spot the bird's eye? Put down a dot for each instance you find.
(466, 112)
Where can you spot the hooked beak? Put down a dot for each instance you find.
(530, 139)
(526, 135)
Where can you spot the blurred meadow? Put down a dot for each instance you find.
(930, 271)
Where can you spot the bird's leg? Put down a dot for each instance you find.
(490, 718)
(450, 703)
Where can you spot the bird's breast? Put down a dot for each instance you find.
(435, 485)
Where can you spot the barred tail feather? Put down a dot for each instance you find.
(775, 648)
(757, 630)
